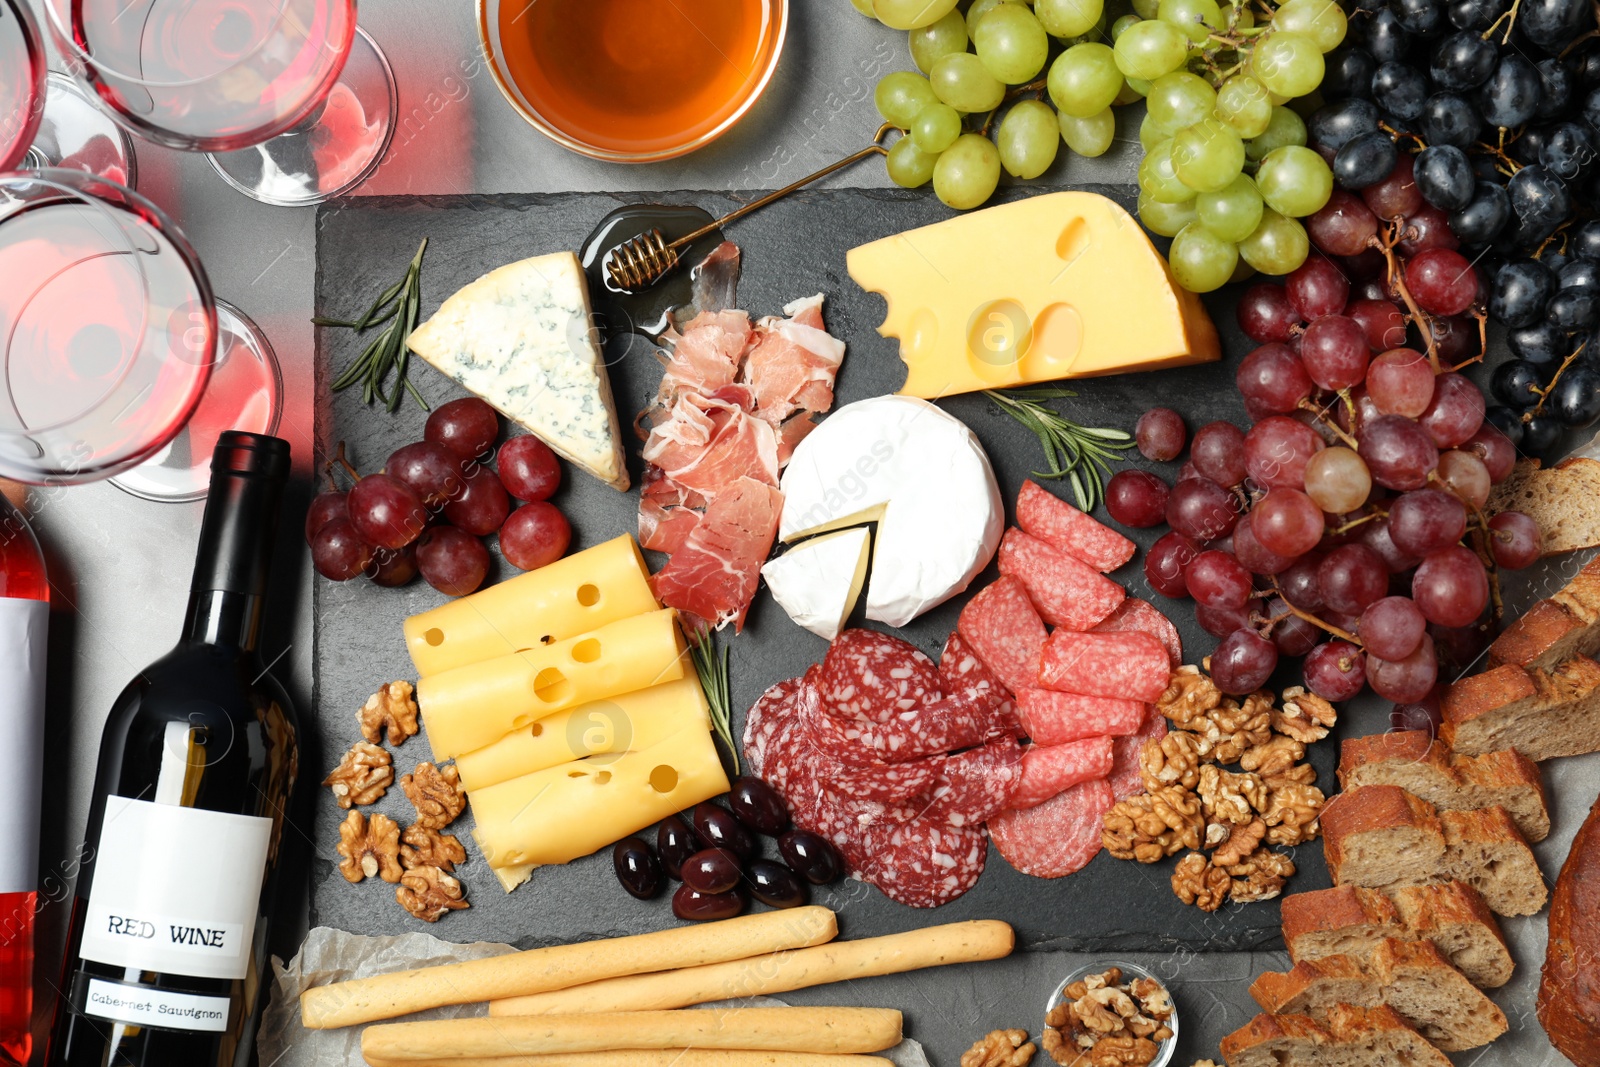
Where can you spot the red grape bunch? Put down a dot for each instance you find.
(435, 500)
(1346, 525)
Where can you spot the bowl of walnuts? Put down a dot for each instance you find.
(1110, 1015)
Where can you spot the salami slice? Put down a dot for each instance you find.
(965, 719)
(1125, 778)
(974, 786)
(1130, 664)
(922, 862)
(1057, 523)
(1051, 718)
(860, 775)
(1057, 837)
(1003, 628)
(871, 675)
(1066, 591)
(1049, 769)
(762, 720)
(1136, 614)
(960, 669)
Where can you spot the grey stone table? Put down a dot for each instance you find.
(119, 565)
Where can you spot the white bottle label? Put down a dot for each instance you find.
(22, 640)
(175, 889)
(144, 1006)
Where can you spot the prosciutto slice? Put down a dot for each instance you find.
(793, 362)
(712, 576)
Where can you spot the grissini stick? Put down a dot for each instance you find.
(662, 1057)
(832, 1030)
(778, 972)
(385, 996)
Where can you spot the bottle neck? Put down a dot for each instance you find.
(224, 618)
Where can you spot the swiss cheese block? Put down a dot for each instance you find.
(560, 813)
(617, 724)
(922, 476)
(819, 581)
(478, 704)
(521, 338)
(571, 596)
(1063, 285)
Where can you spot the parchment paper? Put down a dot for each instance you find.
(329, 955)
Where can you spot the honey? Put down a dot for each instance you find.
(638, 77)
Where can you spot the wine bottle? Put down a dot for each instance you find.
(166, 953)
(24, 612)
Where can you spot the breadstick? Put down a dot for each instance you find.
(769, 1029)
(665, 1057)
(385, 996)
(778, 972)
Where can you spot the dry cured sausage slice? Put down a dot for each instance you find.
(1136, 614)
(974, 786)
(1131, 664)
(1051, 718)
(959, 721)
(922, 862)
(872, 675)
(763, 719)
(1067, 592)
(1057, 837)
(960, 668)
(1125, 778)
(1057, 523)
(1003, 628)
(1049, 769)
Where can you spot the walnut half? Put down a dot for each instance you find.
(424, 847)
(362, 777)
(369, 847)
(1000, 1048)
(427, 893)
(393, 707)
(1197, 882)
(436, 793)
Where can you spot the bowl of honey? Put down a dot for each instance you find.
(632, 81)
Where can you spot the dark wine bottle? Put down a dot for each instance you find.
(166, 955)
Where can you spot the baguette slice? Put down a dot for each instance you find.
(1564, 500)
(1454, 916)
(1354, 1037)
(1379, 1036)
(1381, 835)
(1542, 714)
(1484, 849)
(1557, 628)
(1346, 920)
(1428, 769)
(1278, 1041)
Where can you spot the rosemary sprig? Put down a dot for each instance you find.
(711, 664)
(399, 306)
(1080, 454)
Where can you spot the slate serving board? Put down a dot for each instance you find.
(792, 249)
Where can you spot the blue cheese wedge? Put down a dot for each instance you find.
(521, 338)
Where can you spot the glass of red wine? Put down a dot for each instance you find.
(22, 71)
(294, 103)
(108, 328)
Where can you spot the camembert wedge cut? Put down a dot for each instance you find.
(819, 581)
(1063, 285)
(521, 338)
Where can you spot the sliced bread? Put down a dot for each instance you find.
(1455, 918)
(1346, 920)
(1412, 977)
(1381, 835)
(1427, 768)
(1564, 500)
(1278, 1041)
(1540, 713)
(1353, 1037)
(1484, 849)
(1557, 628)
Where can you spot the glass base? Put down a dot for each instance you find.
(245, 393)
(335, 152)
(74, 133)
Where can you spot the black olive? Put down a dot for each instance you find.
(758, 806)
(810, 856)
(699, 907)
(711, 870)
(676, 842)
(637, 867)
(776, 885)
(719, 828)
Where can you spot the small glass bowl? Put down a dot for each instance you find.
(1168, 1048)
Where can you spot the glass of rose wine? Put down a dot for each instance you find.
(294, 103)
(108, 328)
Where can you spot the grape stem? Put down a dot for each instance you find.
(1588, 36)
(1400, 135)
(1343, 635)
(339, 458)
(1503, 163)
(1510, 18)
(1544, 394)
(1397, 282)
(1353, 523)
(1321, 416)
(1016, 92)
(1483, 341)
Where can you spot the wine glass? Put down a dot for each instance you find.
(292, 101)
(22, 71)
(108, 328)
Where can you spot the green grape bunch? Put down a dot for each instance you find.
(1001, 85)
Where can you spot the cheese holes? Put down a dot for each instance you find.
(664, 779)
(588, 595)
(998, 335)
(602, 778)
(1073, 241)
(923, 336)
(587, 650)
(434, 636)
(550, 685)
(1057, 340)
(536, 729)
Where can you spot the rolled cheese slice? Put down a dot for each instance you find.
(922, 476)
(384, 996)
(469, 707)
(572, 596)
(826, 1030)
(615, 724)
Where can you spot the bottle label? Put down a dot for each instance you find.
(22, 638)
(176, 890)
(139, 1005)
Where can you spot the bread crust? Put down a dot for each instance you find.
(1569, 988)
(1440, 913)
(1380, 809)
(1413, 760)
(1542, 714)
